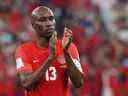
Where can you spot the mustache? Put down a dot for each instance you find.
(50, 28)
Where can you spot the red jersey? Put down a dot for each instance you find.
(30, 57)
(2, 79)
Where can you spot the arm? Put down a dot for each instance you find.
(30, 79)
(74, 66)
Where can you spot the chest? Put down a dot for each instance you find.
(39, 56)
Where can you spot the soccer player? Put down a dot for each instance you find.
(45, 64)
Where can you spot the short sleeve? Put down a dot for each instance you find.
(22, 61)
(73, 51)
(75, 56)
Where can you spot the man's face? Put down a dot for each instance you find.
(44, 23)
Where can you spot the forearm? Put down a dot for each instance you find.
(31, 80)
(75, 74)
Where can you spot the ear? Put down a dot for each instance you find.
(32, 20)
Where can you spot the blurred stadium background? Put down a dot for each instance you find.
(100, 29)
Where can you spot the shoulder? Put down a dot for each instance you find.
(25, 46)
(73, 51)
(72, 47)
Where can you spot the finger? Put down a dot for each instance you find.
(67, 30)
(68, 34)
(55, 35)
(53, 39)
(52, 36)
(70, 39)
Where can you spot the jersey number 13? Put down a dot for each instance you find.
(51, 74)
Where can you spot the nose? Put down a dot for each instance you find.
(50, 23)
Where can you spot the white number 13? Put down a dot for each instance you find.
(51, 74)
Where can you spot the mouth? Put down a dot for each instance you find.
(50, 30)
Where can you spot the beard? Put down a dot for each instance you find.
(48, 35)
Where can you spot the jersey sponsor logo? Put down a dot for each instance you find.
(19, 63)
(77, 64)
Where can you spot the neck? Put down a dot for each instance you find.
(42, 42)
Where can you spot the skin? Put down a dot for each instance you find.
(42, 20)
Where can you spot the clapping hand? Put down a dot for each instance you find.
(52, 44)
(67, 38)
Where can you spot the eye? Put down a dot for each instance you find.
(51, 18)
(43, 19)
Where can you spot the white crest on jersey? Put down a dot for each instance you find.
(19, 63)
(78, 65)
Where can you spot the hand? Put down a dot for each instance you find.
(52, 45)
(67, 38)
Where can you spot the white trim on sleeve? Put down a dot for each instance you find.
(19, 63)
